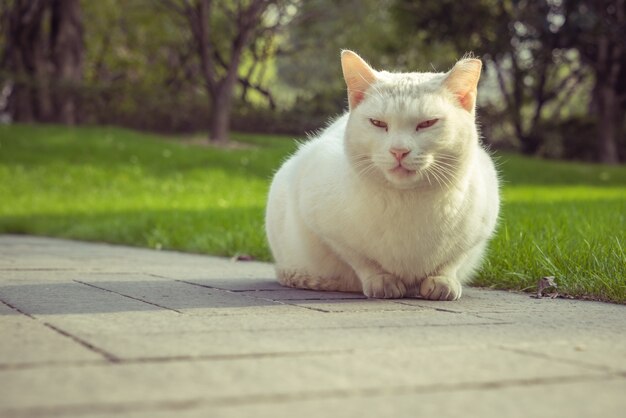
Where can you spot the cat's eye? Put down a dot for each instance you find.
(379, 123)
(426, 124)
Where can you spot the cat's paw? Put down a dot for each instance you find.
(440, 288)
(383, 286)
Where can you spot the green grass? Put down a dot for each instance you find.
(562, 219)
(120, 186)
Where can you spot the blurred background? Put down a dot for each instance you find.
(554, 83)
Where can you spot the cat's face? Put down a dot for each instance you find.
(408, 129)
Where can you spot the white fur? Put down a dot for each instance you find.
(338, 218)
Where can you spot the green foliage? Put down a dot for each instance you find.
(115, 185)
(142, 68)
(132, 71)
(311, 70)
(541, 62)
(476, 26)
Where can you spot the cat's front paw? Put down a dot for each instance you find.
(440, 288)
(383, 286)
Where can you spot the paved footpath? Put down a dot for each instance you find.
(93, 330)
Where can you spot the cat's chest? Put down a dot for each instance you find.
(383, 221)
(408, 239)
(405, 220)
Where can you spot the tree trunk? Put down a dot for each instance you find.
(29, 100)
(223, 97)
(221, 107)
(44, 59)
(608, 128)
(66, 38)
(531, 143)
(608, 66)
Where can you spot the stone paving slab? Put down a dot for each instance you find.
(455, 402)
(100, 330)
(222, 380)
(32, 342)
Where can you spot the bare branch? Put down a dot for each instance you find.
(572, 77)
(246, 84)
(504, 90)
(565, 96)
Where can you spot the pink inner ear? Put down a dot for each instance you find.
(463, 81)
(357, 97)
(467, 100)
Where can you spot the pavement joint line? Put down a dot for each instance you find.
(280, 302)
(200, 285)
(108, 356)
(343, 326)
(300, 306)
(172, 359)
(128, 296)
(121, 273)
(407, 390)
(207, 286)
(339, 311)
(430, 325)
(106, 408)
(51, 364)
(233, 357)
(264, 290)
(531, 353)
(481, 316)
(255, 290)
(400, 302)
(34, 269)
(285, 303)
(286, 398)
(16, 309)
(319, 299)
(159, 276)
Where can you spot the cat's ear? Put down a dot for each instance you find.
(462, 80)
(358, 75)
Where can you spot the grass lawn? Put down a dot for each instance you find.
(120, 186)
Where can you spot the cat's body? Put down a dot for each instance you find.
(386, 201)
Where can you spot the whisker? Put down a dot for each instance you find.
(437, 178)
(447, 174)
(446, 171)
(445, 163)
(428, 177)
(362, 164)
(366, 170)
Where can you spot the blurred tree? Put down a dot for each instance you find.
(523, 42)
(542, 52)
(222, 31)
(597, 29)
(25, 58)
(66, 49)
(43, 54)
(308, 57)
(137, 70)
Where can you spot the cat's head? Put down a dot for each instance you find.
(410, 129)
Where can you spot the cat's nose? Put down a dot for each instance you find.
(399, 153)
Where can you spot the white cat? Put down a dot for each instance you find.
(395, 198)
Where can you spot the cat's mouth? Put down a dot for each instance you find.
(402, 171)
